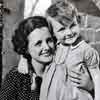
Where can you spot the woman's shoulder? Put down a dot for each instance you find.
(13, 83)
(10, 84)
(13, 73)
(15, 76)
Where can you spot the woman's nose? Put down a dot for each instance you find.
(45, 45)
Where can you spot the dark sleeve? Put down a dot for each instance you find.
(8, 89)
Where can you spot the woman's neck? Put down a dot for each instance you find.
(38, 67)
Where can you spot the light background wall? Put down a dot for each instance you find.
(10, 58)
(90, 32)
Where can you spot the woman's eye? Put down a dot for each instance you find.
(49, 40)
(38, 43)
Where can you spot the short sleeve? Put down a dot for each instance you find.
(91, 58)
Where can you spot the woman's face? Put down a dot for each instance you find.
(41, 45)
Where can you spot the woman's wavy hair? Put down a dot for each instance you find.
(20, 38)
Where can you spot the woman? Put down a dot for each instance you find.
(33, 40)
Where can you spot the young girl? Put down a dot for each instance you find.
(73, 51)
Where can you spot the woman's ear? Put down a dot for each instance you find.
(23, 65)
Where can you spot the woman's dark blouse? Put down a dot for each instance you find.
(17, 86)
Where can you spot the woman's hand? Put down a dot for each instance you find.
(81, 79)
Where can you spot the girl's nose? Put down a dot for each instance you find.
(68, 31)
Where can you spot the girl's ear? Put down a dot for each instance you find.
(23, 65)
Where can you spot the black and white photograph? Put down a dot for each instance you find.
(49, 49)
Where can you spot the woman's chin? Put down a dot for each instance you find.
(47, 60)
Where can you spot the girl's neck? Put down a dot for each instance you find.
(38, 67)
(78, 40)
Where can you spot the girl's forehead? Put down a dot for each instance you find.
(61, 22)
(65, 21)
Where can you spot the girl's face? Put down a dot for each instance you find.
(66, 33)
(41, 45)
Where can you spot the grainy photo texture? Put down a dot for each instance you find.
(49, 49)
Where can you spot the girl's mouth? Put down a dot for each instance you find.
(70, 37)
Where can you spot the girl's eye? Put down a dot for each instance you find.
(72, 25)
(38, 43)
(61, 29)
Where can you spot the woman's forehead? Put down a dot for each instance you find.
(39, 33)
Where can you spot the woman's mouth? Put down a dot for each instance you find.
(46, 54)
